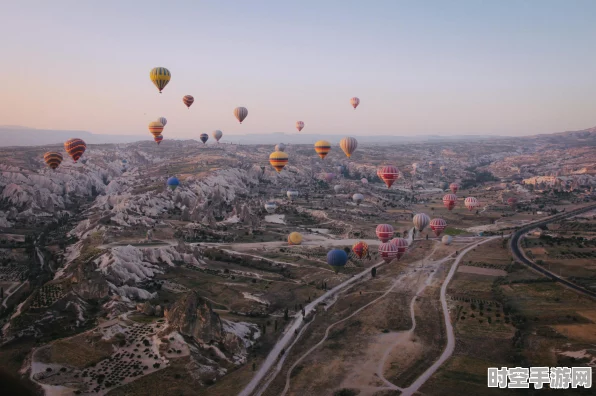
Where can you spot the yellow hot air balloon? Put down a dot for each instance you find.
(278, 160)
(156, 128)
(295, 238)
(160, 77)
(322, 147)
(348, 145)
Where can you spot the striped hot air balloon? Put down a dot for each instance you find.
(163, 121)
(388, 174)
(240, 113)
(388, 252)
(384, 232)
(471, 203)
(155, 128)
(188, 100)
(449, 200)
(337, 258)
(348, 145)
(278, 160)
(357, 198)
(160, 76)
(52, 159)
(295, 238)
(420, 221)
(280, 147)
(292, 194)
(322, 147)
(354, 102)
(360, 249)
(402, 246)
(454, 187)
(204, 137)
(438, 225)
(217, 134)
(158, 139)
(299, 125)
(75, 148)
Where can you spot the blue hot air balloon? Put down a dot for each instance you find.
(337, 258)
(173, 182)
(204, 137)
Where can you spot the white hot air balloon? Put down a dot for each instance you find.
(280, 147)
(357, 198)
(217, 134)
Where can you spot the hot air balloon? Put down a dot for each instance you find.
(431, 165)
(270, 206)
(173, 183)
(348, 145)
(414, 168)
(438, 225)
(163, 121)
(388, 252)
(454, 187)
(295, 238)
(360, 249)
(447, 239)
(328, 177)
(322, 147)
(337, 188)
(340, 169)
(449, 200)
(388, 174)
(384, 232)
(280, 147)
(204, 137)
(443, 169)
(364, 180)
(278, 160)
(357, 198)
(443, 186)
(512, 202)
(217, 134)
(471, 203)
(354, 102)
(292, 194)
(158, 139)
(420, 221)
(299, 125)
(188, 100)
(52, 159)
(155, 128)
(75, 148)
(337, 258)
(401, 244)
(240, 113)
(160, 77)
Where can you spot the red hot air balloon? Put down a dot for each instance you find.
(360, 249)
(471, 203)
(384, 232)
(454, 187)
(188, 100)
(401, 244)
(299, 125)
(449, 200)
(158, 139)
(388, 174)
(75, 148)
(512, 202)
(388, 252)
(354, 102)
(438, 225)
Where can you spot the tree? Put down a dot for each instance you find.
(373, 272)
(286, 317)
(254, 366)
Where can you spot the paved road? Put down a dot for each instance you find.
(519, 255)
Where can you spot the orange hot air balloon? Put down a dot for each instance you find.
(299, 125)
(322, 147)
(388, 174)
(52, 159)
(156, 128)
(75, 148)
(188, 100)
(278, 160)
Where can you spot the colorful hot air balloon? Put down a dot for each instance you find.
(337, 258)
(299, 125)
(447, 239)
(443, 169)
(240, 113)
(454, 187)
(337, 188)
(364, 180)
(401, 244)
(204, 137)
(354, 102)
(384, 232)
(158, 139)
(52, 159)
(360, 249)
(217, 134)
(512, 202)
(438, 225)
(270, 206)
(322, 147)
(163, 121)
(388, 174)
(173, 183)
(471, 203)
(357, 198)
(155, 128)
(75, 148)
(420, 221)
(280, 147)
(449, 200)
(295, 238)
(278, 160)
(388, 252)
(348, 145)
(188, 100)
(160, 77)
(292, 194)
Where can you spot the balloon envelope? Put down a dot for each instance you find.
(52, 159)
(75, 148)
(337, 258)
(160, 76)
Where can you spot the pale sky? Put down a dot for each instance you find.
(419, 67)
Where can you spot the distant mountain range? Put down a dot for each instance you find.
(11, 135)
